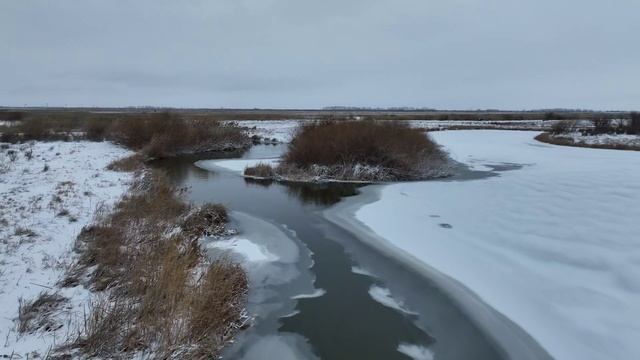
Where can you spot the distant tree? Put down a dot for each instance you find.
(550, 115)
(563, 127)
(601, 124)
(634, 123)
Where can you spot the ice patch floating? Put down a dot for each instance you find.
(234, 165)
(247, 249)
(360, 271)
(317, 293)
(383, 296)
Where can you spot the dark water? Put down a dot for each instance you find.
(346, 322)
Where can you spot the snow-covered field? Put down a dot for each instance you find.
(280, 130)
(48, 192)
(492, 124)
(553, 245)
(283, 130)
(603, 139)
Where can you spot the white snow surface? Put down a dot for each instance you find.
(603, 139)
(34, 199)
(490, 124)
(280, 130)
(553, 246)
(234, 165)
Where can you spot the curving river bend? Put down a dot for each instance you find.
(318, 291)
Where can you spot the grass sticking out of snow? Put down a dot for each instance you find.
(48, 192)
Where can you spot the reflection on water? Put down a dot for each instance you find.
(346, 322)
(319, 194)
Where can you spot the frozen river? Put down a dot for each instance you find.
(321, 290)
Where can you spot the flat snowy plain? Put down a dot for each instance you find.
(45, 200)
(553, 245)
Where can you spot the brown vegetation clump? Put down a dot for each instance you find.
(261, 170)
(167, 134)
(146, 258)
(634, 124)
(352, 149)
(156, 134)
(563, 126)
(602, 125)
(97, 129)
(131, 163)
(37, 314)
(209, 219)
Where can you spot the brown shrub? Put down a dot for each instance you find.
(35, 129)
(97, 129)
(209, 219)
(261, 170)
(405, 152)
(602, 125)
(132, 132)
(563, 126)
(167, 134)
(157, 278)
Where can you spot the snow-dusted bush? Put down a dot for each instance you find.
(362, 151)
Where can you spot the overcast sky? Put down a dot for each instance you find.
(463, 54)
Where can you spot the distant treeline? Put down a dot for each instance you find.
(17, 114)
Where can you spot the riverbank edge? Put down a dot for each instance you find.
(510, 338)
(549, 138)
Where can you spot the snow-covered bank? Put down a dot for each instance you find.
(283, 130)
(234, 165)
(613, 140)
(551, 245)
(278, 130)
(48, 192)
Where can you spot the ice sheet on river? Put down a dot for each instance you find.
(554, 245)
(278, 271)
(235, 165)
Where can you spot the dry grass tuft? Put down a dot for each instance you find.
(22, 231)
(210, 220)
(261, 171)
(146, 253)
(131, 163)
(38, 314)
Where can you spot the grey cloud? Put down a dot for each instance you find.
(300, 53)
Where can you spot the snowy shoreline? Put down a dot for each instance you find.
(515, 342)
(546, 243)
